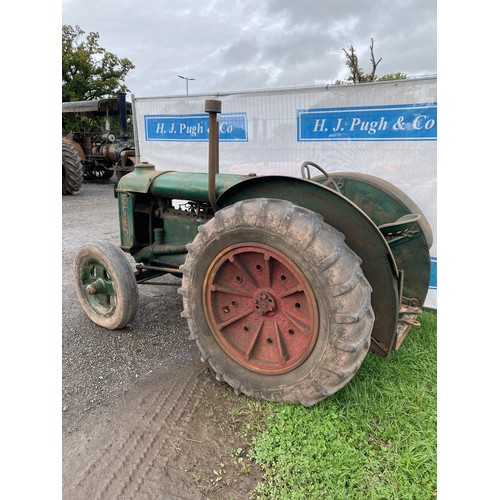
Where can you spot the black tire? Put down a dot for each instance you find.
(72, 170)
(325, 281)
(105, 284)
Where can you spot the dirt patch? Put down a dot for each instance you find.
(175, 436)
(142, 417)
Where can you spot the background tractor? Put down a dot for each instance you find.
(92, 139)
(287, 283)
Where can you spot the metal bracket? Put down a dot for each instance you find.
(408, 311)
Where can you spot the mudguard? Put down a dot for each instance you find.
(361, 234)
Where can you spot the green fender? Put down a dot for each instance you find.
(361, 235)
(385, 203)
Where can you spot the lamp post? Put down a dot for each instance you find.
(187, 82)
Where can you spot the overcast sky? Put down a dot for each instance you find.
(256, 44)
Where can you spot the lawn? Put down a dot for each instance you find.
(374, 439)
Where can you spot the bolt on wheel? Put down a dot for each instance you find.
(261, 308)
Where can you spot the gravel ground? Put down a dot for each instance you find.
(99, 365)
(142, 416)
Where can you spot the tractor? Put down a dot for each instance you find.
(93, 152)
(287, 282)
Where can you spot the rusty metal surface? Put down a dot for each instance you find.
(407, 320)
(260, 308)
(213, 107)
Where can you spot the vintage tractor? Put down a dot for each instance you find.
(287, 282)
(101, 152)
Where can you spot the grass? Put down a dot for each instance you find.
(374, 439)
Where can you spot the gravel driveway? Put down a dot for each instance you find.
(142, 416)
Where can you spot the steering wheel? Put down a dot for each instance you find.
(305, 171)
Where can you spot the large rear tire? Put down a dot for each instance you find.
(72, 170)
(277, 302)
(105, 284)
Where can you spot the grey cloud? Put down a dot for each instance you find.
(229, 45)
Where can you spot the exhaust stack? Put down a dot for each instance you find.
(213, 107)
(122, 114)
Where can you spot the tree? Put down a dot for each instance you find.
(358, 76)
(392, 76)
(88, 70)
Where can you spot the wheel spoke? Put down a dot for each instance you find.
(225, 324)
(253, 340)
(230, 291)
(109, 289)
(236, 261)
(268, 269)
(106, 299)
(281, 345)
(291, 291)
(298, 323)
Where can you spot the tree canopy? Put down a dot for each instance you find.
(88, 70)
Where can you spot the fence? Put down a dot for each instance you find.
(386, 129)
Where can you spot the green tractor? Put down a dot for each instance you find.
(287, 283)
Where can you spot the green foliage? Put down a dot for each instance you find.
(88, 70)
(392, 76)
(352, 62)
(376, 438)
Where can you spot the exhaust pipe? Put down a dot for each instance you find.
(213, 107)
(122, 114)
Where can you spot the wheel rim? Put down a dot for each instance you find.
(260, 308)
(97, 287)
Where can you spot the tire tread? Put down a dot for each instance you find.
(326, 251)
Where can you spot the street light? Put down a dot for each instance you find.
(187, 82)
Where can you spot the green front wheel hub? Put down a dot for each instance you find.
(105, 284)
(97, 287)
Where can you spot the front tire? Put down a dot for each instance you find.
(277, 302)
(105, 285)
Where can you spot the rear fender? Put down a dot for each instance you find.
(361, 235)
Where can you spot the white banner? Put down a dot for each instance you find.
(386, 129)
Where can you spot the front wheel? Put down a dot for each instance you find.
(105, 284)
(277, 302)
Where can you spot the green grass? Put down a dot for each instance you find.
(374, 439)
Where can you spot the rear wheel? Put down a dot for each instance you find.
(277, 302)
(72, 170)
(105, 284)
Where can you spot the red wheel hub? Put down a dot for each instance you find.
(260, 308)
